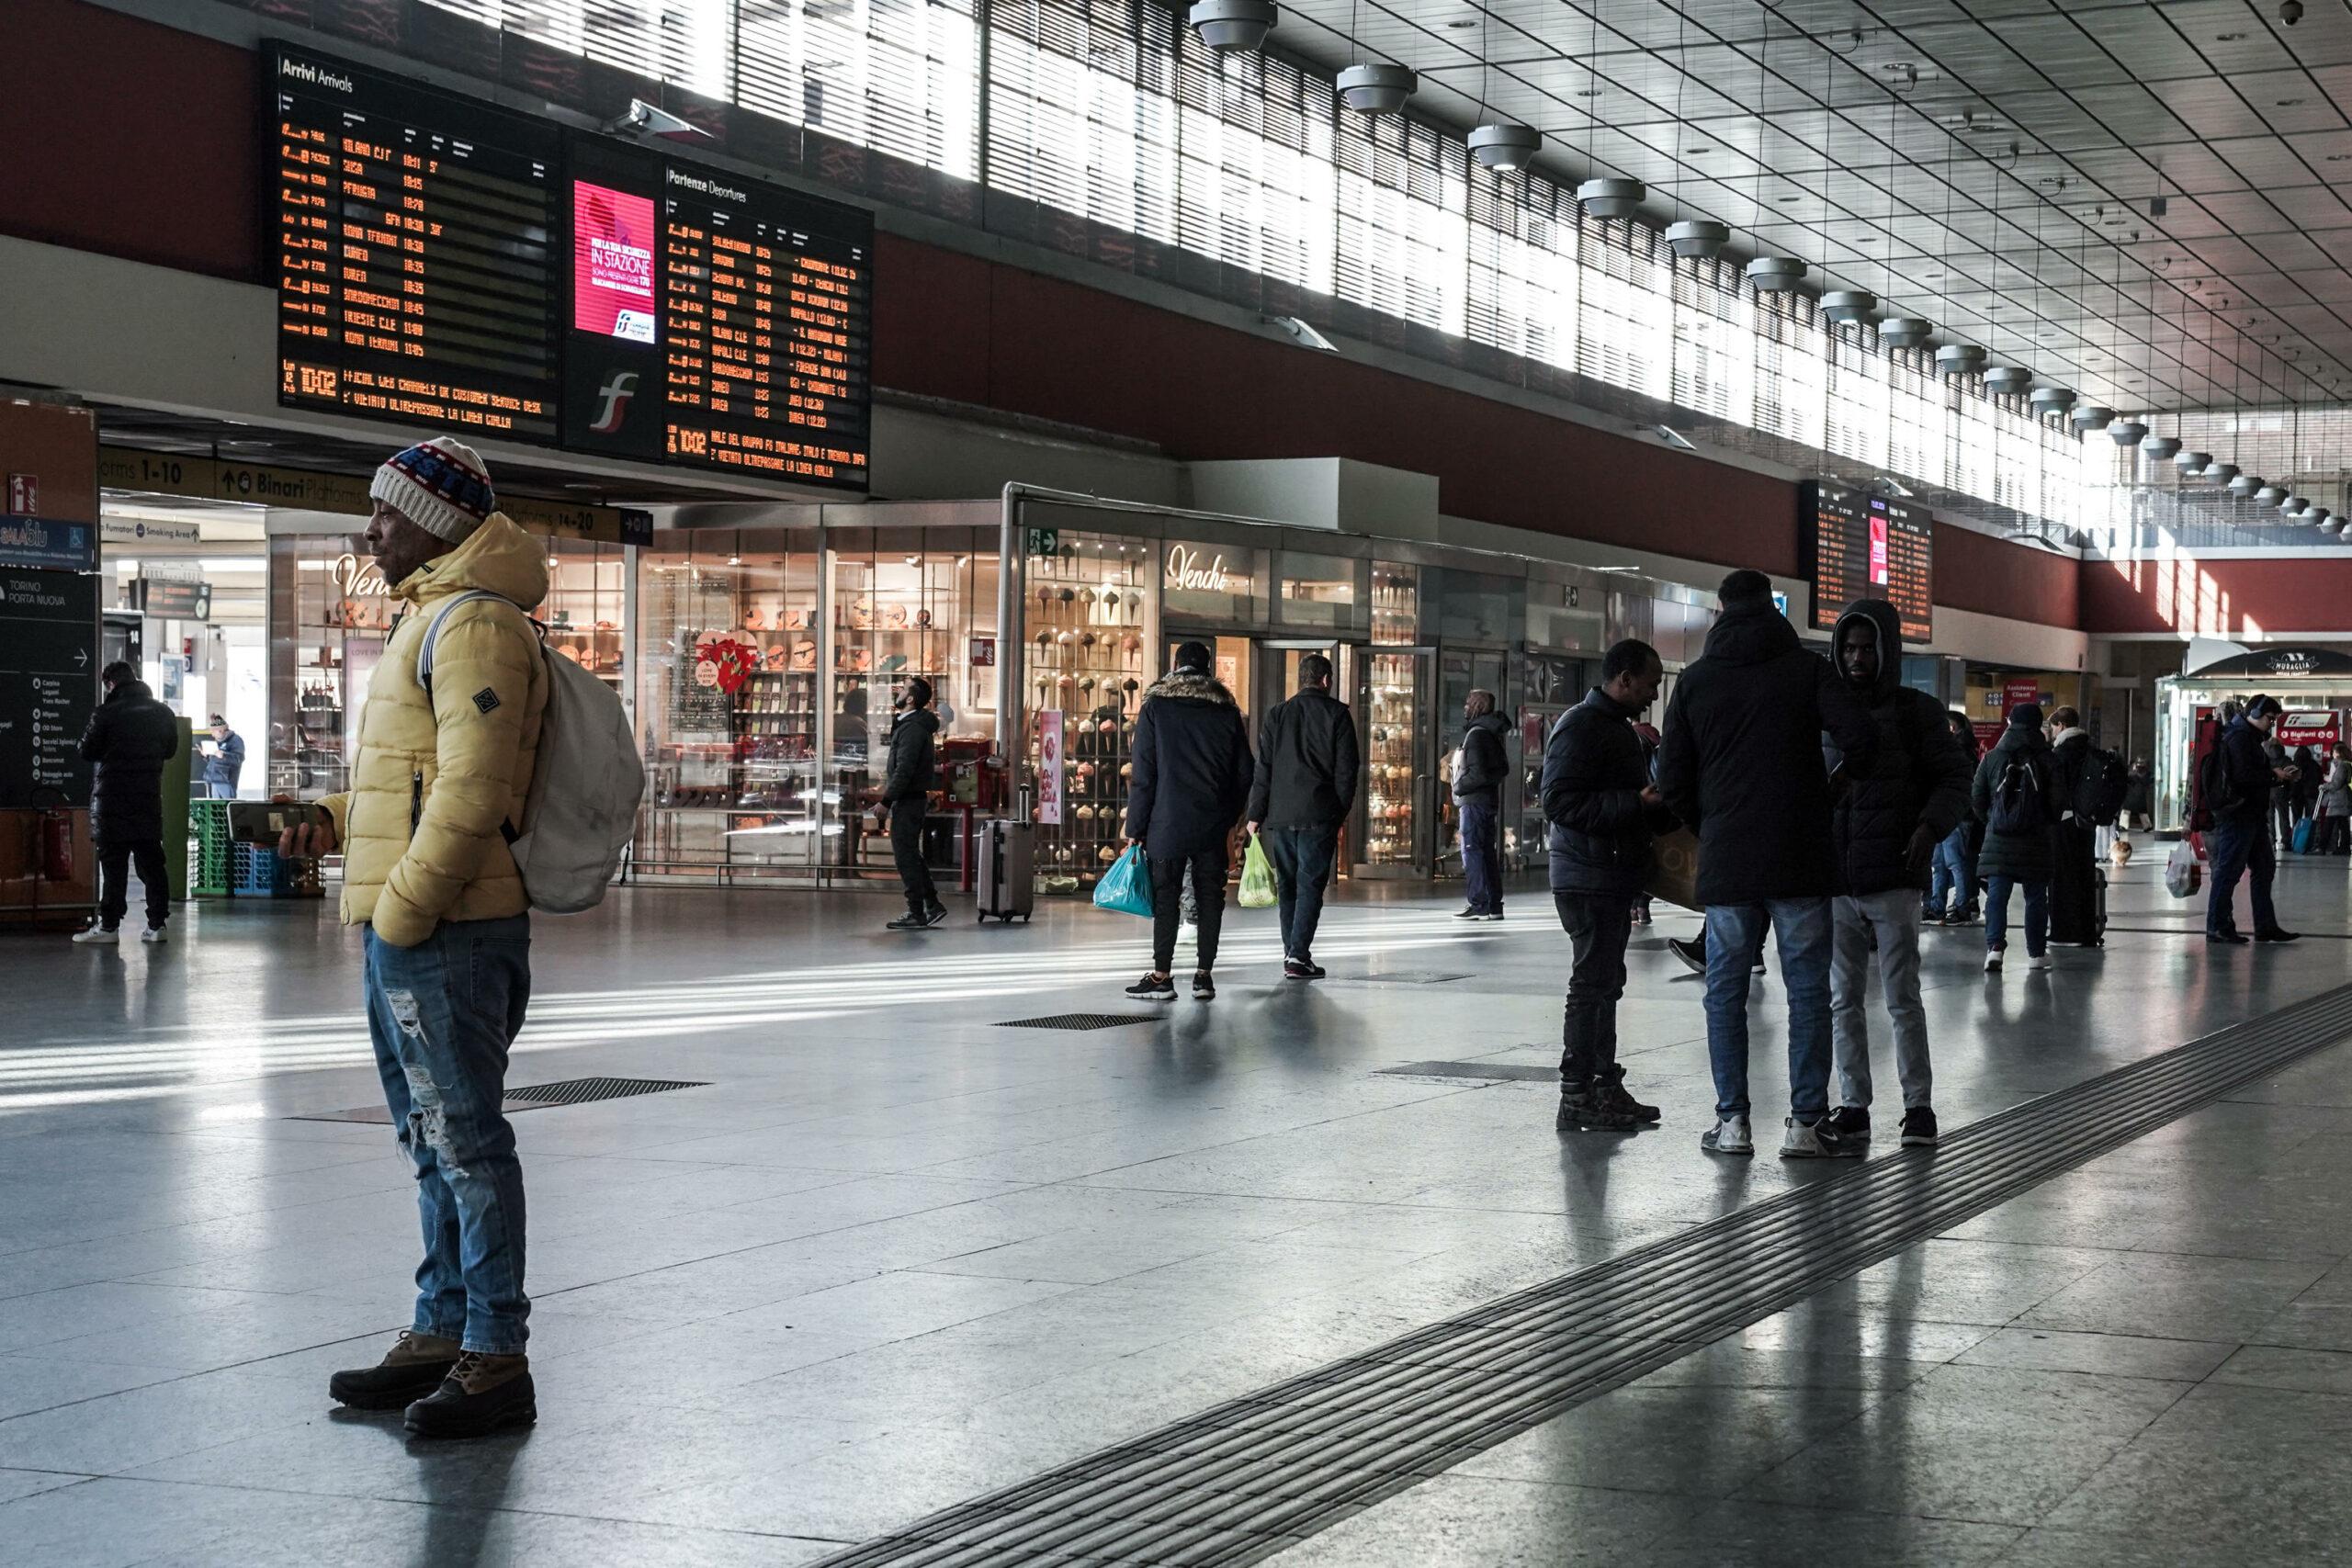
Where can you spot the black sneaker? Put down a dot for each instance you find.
(410, 1370)
(1591, 1113)
(935, 915)
(482, 1394)
(1612, 1096)
(2279, 935)
(1302, 969)
(913, 920)
(1693, 954)
(1471, 913)
(1918, 1128)
(1845, 1131)
(1154, 988)
(1204, 988)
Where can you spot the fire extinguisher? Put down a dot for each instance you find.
(57, 846)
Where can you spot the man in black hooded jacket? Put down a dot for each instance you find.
(1192, 779)
(1884, 834)
(906, 794)
(1740, 765)
(129, 739)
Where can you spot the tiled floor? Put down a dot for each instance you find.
(896, 1254)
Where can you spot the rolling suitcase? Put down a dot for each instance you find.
(2098, 906)
(1007, 874)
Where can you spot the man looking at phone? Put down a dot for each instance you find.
(441, 773)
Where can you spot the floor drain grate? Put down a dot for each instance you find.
(530, 1097)
(1493, 1071)
(1082, 1021)
(1253, 1476)
(1397, 977)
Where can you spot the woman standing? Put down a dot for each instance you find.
(2335, 801)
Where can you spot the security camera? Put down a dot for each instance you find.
(641, 119)
(2291, 11)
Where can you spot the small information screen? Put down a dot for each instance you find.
(414, 272)
(766, 305)
(1858, 546)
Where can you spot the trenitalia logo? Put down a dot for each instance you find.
(612, 404)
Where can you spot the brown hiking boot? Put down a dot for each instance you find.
(482, 1394)
(411, 1369)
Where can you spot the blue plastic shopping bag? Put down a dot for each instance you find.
(1127, 886)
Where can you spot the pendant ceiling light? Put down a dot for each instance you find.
(1602, 197)
(1907, 332)
(1377, 88)
(1696, 238)
(2245, 485)
(2092, 416)
(2223, 474)
(1498, 143)
(2049, 401)
(2130, 433)
(1373, 86)
(2160, 448)
(1959, 358)
(2008, 380)
(2193, 464)
(2294, 506)
(1774, 275)
(1230, 26)
(2269, 495)
(2335, 525)
(2326, 522)
(1768, 273)
(1847, 306)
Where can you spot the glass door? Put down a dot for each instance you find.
(1400, 797)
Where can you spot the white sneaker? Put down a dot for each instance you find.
(154, 934)
(1728, 1136)
(1801, 1141)
(107, 934)
(2037, 961)
(1993, 962)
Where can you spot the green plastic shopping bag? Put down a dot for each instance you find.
(1257, 876)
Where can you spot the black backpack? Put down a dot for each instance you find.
(2100, 787)
(2217, 792)
(2017, 804)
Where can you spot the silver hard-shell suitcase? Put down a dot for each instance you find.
(1007, 873)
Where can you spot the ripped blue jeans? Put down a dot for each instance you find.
(442, 1015)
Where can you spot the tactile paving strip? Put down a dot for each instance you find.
(1248, 1478)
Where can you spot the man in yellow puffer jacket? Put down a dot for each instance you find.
(441, 776)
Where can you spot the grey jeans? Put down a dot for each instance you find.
(1892, 919)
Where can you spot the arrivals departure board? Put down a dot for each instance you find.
(449, 265)
(1858, 546)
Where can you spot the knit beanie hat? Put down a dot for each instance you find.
(440, 485)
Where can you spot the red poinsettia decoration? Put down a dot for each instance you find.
(736, 661)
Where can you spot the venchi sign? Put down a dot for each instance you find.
(1185, 570)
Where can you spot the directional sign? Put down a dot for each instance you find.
(49, 639)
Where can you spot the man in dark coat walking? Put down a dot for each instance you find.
(1886, 831)
(1304, 787)
(2237, 791)
(2073, 839)
(1191, 781)
(2015, 792)
(1601, 809)
(129, 739)
(906, 795)
(1740, 763)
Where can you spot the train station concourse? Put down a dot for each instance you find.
(941, 784)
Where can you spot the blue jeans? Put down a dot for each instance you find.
(1302, 859)
(1996, 914)
(442, 1015)
(2240, 848)
(1734, 942)
(1955, 868)
(1481, 861)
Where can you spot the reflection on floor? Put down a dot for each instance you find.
(895, 1256)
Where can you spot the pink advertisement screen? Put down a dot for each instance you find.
(612, 263)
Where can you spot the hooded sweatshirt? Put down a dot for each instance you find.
(439, 775)
(129, 738)
(1922, 776)
(2023, 854)
(1740, 759)
(1191, 766)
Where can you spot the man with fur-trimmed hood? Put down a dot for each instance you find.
(1192, 779)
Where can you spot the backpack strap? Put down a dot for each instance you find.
(433, 630)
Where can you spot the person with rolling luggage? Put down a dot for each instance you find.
(2088, 786)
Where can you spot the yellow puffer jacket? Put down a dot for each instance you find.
(437, 778)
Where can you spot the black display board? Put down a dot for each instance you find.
(443, 262)
(49, 683)
(415, 238)
(1858, 546)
